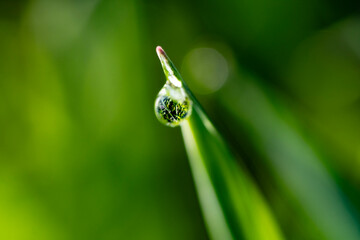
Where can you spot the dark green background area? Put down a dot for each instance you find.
(82, 155)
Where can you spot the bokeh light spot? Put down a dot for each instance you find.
(205, 70)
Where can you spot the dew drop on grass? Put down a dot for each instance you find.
(172, 105)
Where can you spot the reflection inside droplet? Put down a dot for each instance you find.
(172, 105)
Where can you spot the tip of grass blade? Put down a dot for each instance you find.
(168, 67)
(160, 52)
(164, 59)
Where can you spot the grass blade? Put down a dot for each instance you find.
(232, 205)
(299, 171)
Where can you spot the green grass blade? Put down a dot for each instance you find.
(298, 169)
(232, 205)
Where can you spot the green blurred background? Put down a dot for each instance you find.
(82, 155)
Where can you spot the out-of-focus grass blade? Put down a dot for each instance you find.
(298, 170)
(232, 205)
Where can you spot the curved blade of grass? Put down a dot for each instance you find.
(232, 205)
(298, 168)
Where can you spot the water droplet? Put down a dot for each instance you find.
(172, 105)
